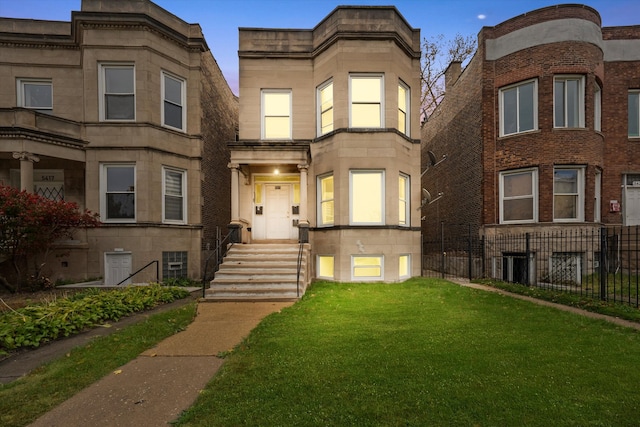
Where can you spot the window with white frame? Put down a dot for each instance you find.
(597, 108)
(519, 196)
(174, 195)
(568, 193)
(568, 102)
(276, 114)
(597, 196)
(519, 108)
(174, 111)
(403, 200)
(366, 100)
(325, 200)
(325, 108)
(367, 267)
(404, 99)
(326, 266)
(117, 92)
(404, 266)
(634, 114)
(118, 195)
(36, 94)
(366, 197)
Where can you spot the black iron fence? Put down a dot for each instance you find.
(593, 262)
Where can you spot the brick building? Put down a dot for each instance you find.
(124, 111)
(540, 129)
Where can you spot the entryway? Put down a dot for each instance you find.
(117, 267)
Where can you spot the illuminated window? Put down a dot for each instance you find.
(366, 92)
(325, 200)
(326, 266)
(36, 94)
(403, 108)
(404, 266)
(276, 114)
(117, 88)
(568, 102)
(367, 267)
(366, 197)
(403, 200)
(174, 105)
(519, 108)
(518, 196)
(325, 108)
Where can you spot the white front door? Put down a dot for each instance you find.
(632, 206)
(117, 267)
(277, 211)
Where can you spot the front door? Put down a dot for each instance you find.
(278, 211)
(632, 206)
(117, 267)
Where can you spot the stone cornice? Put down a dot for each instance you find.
(40, 136)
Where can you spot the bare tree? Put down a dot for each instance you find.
(437, 54)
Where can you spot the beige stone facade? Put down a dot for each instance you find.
(329, 142)
(128, 115)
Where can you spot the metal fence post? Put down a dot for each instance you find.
(442, 252)
(470, 254)
(603, 259)
(527, 255)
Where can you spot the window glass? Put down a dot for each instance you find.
(173, 195)
(566, 194)
(404, 269)
(403, 109)
(173, 102)
(634, 114)
(118, 89)
(326, 266)
(367, 267)
(568, 102)
(277, 115)
(120, 192)
(403, 200)
(518, 108)
(326, 200)
(367, 197)
(326, 108)
(37, 95)
(597, 108)
(518, 201)
(366, 102)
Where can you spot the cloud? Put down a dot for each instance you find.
(482, 16)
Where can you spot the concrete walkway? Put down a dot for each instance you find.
(154, 388)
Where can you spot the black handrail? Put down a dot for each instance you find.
(299, 268)
(133, 274)
(219, 255)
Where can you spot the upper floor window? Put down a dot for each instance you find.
(568, 102)
(118, 194)
(325, 200)
(518, 196)
(173, 101)
(36, 94)
(568, 194)
(404, 99)
(117, 92)
(366, 201)
(276, 114)
(403, 200)
(519, 108)
(634, 113)
(174, 195)
(366, 95)
(325, 108)
(597, 108)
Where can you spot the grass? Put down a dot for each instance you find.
(24, 400)
(425, 352)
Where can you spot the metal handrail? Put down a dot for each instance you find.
(299, 267)
(133, 274)
(219, 255)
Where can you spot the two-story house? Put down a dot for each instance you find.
(124, 111)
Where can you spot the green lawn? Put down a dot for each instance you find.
(425, 352)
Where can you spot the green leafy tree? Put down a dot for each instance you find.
(30, 225)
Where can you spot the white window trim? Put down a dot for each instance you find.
(407, 109)
(383, 197)
(262, 112)
(581, 196)
(355, 278)
(318, 269)
(534, 179)
(637, 118)
(319, 199)
(597, 194)
(378, 76)
(535, 107)
(183, 174)
(580, 100)
(21, 101)
(597, 108)
(407, 201)
(102, 87)
(103, 193)
(183, 99)
(408, 275)
(319, 110)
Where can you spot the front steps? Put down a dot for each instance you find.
(261, 272)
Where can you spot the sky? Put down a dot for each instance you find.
(220, 19)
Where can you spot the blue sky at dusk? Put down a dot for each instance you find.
(220, 19)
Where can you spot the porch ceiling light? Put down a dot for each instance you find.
(276, 171)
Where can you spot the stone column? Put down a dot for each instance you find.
(303, 223)
(235, 191)
(26, 169)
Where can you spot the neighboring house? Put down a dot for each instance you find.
(124, 111)
(329, 149)
(540, 129)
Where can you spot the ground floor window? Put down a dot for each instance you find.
(367, 267)
(174, 264)
(404, 266)
(326, 266)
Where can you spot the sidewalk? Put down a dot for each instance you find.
(154, 388)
